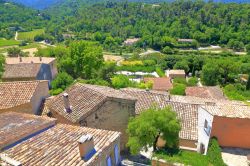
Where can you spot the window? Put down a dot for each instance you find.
(206, 128)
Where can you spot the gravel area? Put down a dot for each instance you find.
(235, 156)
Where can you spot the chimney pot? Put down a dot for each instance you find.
(86, 146)
(67, 106)
(40, 58)
(20, 59)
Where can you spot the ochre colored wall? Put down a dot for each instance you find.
(231, 132)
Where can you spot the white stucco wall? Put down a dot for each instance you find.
(203, 134)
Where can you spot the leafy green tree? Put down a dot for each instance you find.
(120, 81)
(2, 61)
(210, 74)
(178, 89)
(182, 65)
(236, 45)
(145, 129)
(85, 59)
(14, 52)
(248, 48)
(107, 71)
(192, 81)
(168, 50)
(61, 82)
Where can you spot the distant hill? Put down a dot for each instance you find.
(42, 4)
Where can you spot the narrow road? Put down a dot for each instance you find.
(16, 35)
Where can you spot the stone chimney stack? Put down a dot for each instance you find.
(66, 102)
(86, 146)
(20, 59)
(40, 58)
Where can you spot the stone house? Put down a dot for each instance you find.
(29, 68)
(212, 92)
(160, 83)
(92, 106)
(23, 96)
(43, 142)
(176, 74)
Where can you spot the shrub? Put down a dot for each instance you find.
(192, 81)
(62, 81)
(214, 153)
(120, 81)
(180, 81)
(56, 91)
(179, 89)
(160, 72)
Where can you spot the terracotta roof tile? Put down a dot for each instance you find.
(15, 126)
(25, 60)
(58, 145)
(23, 70)
(213, 92)
(16, 93)
(161, 84)
(84, 99)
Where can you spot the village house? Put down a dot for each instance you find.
(160, 84)
(23, 96)
(176, 74)
(229, 123)
(29, 68)
(93, 106)
(130, 42)
(34, 140)
(213, 92)
(185, 40)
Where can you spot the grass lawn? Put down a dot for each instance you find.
(184, 157)
(4, 42)
(29, 35)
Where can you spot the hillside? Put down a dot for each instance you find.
(42, 4)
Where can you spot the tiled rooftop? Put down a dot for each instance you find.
(25, 60)
(29, 70)
(228, 110)
(187, 113)
(213, 92)
(16, 93)
(15, 126)
(182, 72)
(84, 99)
(58, 145)
(161, 83)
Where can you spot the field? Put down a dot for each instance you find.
(4, 42)
(29, 35)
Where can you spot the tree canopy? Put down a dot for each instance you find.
(145, 129)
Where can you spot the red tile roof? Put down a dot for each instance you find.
(58, 145)
(16, 93)
(25, 60)
(205, 92)
(84, 99)
(161, 84)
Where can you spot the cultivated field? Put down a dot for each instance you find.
(29, 35)
(4, 42)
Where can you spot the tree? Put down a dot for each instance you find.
(61, 82)
(85, 59)
(248, 82)
(214, 153)
(178, 89)
(2, 61)
(15, 52)
(120, 81)
(107, 71)
(210, 74)
(145, 129)
(248, 48)
(182, 65)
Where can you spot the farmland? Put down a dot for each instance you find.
(4, 42)
(30, 35)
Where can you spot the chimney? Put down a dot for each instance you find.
(40, 58)
(20, 59)
(67, 106)
(86, 147)
(169, 97)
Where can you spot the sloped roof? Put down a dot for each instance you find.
(186, 112)
(84, 99)
(161, 83)
(228, 110)
(15, 126)
(16, 60)
(16, 93)
(177, 72)
(213, 92)
(28, 70)
(57, 144)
